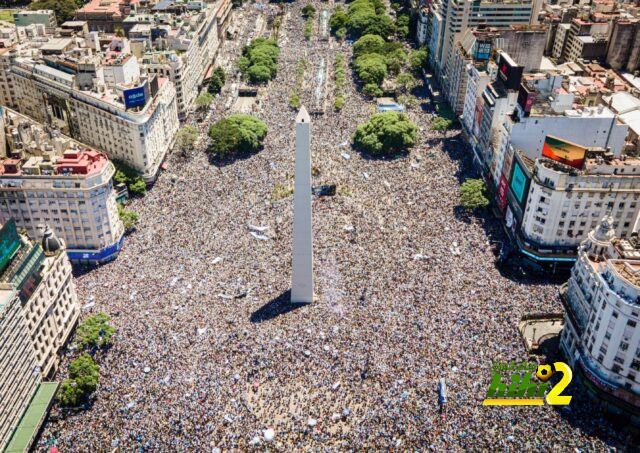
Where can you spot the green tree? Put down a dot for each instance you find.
(64, 9)
(69, 394)
(86, 373)
(338, 20)
(440, 124)
(204, 101)
(243, 64)
(308, 11)
(216, 82)
(339, 102)
(373, 90)
(186, 137)
(418, 59)
(294, 101)
(95, 331)
(308, 29)
(382, 25)
(371, 68)
(237, 133)
(127, 175)
(386, 133)
(406, 82)
(472, 194)
(341, 33)
(396, 60)
(259, 74)
(402, 26)
(368, 44)
(129, 218)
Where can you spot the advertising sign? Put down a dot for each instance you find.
(483, 50)
(525, 99)
(502, 193)
(509, 72)
(9, 243)
(519, 183)
(563, 151)
(135, 97)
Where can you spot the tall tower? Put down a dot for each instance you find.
(302, 262)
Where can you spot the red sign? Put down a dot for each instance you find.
(502, 193)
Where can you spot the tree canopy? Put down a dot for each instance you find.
(237, 133)
(217, 81)
(259, 61)
(308, 11)
(204, 100)
(371, 68)
(129, 218)
(386, 133)
(472, 194)
(95, 331)
(362, 17)
(186, 137)
(84, 376)
(418, 59)
(368, 44)
(130, 177)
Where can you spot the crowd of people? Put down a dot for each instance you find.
(208, 356)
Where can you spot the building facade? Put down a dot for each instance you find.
(601, 336)
(48, 178)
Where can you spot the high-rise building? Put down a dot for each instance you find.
(449, 18)
(48, 178)
(38, 310)
(601, 334)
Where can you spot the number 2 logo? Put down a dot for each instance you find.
(553, 397)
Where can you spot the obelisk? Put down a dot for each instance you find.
(302, 260)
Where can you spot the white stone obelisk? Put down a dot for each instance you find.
(302, 261)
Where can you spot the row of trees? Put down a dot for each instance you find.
(127, 175)
(339, 68)
(294, 99)
(259, 61)
(376, 59)
(93, 333)
(218, 78)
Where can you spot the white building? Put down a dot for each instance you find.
(565, 203)
(97, 98)
(601, 336)
(48, 178)
(183, 50)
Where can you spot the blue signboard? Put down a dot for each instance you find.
(135, 97)
(483, 50)
(9, 243)
(518, 182)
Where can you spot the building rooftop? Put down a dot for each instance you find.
(629, 270)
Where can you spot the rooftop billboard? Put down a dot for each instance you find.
(563, 151)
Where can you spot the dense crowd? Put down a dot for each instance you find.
(209, 357)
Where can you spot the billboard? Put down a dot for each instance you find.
(519, 182)
(483, 50)
(502, 193)
(525, 99)
(563, 151)
(509, 72)
(9, 243)
(135, 97)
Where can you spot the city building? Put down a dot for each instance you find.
(48, 178)
(181, 50)
(38, 310)
(106, 15)
(45, 17)
(449, 18)
(100, 98)
(601, 336)
(422, 26)
(558, 198)
(19, 375)
(623, 51)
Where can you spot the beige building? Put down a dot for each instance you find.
(38, 310)
(48, 178)
(19, 377)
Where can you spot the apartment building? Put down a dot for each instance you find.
(19, 375)
(565, 203)
(449, 18)
(48, 178)
(601, 336)
(63, 84)
(38, 310)
(181, 50)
